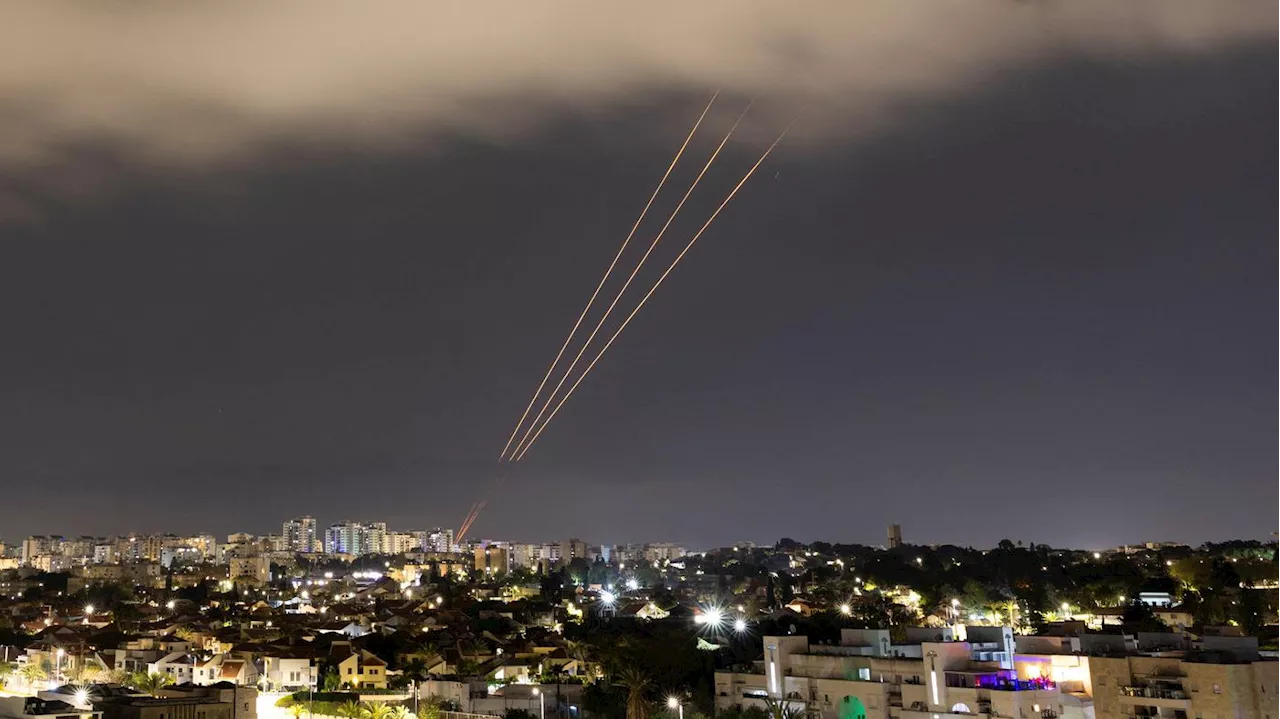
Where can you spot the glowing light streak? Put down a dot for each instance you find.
(618, 297)
(533, 400)
(649, 294)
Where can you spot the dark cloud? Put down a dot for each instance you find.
(1036, 304)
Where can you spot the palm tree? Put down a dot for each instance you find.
(297, 710)
(34, 672)
(637, 684)
(376, 710)
(350, 710)
(5, 670)
(781, 709)
(398, 711)
(149, 683)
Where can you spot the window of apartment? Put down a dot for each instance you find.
(349, 670)
(864, 674)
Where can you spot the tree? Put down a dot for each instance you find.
(781, 709)
(297, 710)
(34, 672)
(150, 683)
(637, 684)
(350, 710)
(375, 710)
(332, 682)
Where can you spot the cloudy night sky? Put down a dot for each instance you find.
(1011, 274)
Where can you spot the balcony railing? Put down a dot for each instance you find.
(1153, 693)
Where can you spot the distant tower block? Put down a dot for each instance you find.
(895, 536)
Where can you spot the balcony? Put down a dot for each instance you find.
(1158, 697)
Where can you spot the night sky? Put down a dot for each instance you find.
(1012, 275)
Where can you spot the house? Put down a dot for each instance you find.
(225, 668)
(179, 666)
(358, 668)
(289, 669)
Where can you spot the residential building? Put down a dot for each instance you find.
(39, 545)
(493, 559)
(299, 534)
(866, 675)
(358, 668)
(571, 549)
(662, 552)
(178, 666)
(289, 669)
(255, 569)
(356, 538)
(135, 707)
(404, 542)
(439, 540)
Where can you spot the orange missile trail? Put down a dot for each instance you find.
(471, 518)
(649, 294)
(657, 238)
(607, 273)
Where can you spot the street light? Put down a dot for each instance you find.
(57, 667)
(542, 703)
(846, 610)
(674, 703)
(740, 625)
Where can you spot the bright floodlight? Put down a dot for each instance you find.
(1065, 606)
(1097, 555)
(739, 625)
(846, 610)
(536, 691)
(633, 584)
(82, 697)
(712, 617)
(673, 702)
(171, 604)
(88, 609)
(607, 597)
(955, 602)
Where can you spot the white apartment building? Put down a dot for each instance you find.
(867, 676)
(990, 677)
(662, 552)
(299, 534)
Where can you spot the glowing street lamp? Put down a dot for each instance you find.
(674, 703)
(846, 610)
(739, 625)
(608, 598)
(170, 605)
(1066, 610)
(542, 703)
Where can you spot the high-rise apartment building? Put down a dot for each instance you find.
(895, 536)
(439, 540)
(300, 534)
(356, 538)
